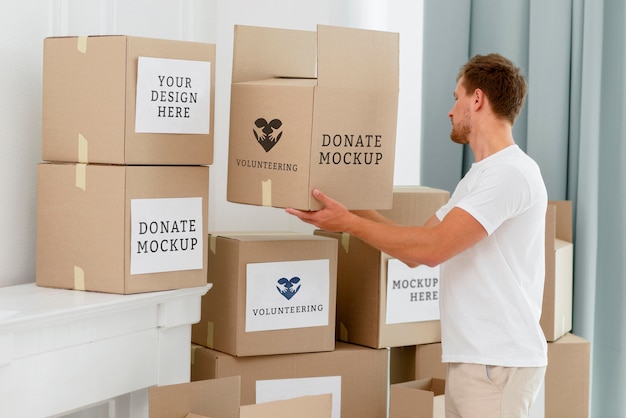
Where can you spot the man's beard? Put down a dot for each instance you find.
(460, 134)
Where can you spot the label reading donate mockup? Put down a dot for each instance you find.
(412, 293)
(166, 235)
(287, 294)
(173, 96)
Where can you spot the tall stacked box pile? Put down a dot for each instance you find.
(127, 137)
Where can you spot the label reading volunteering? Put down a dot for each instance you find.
(412, 293)
(287, 294)
(173, 96)
(166, 235)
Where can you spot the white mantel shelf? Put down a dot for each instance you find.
(66, 351)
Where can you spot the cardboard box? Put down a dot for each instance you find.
(356, 375)
(314, 406)
(367, 295)
(217, 398)
(121, 229)
(319, 111)
(414, 205)
(128, 100)
(428, 362)
(271, 294)
(556, 314)
(568, 377)
(416, 362)
(417, 399)
(401, 364)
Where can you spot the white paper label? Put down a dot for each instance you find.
(281, 389)
(166, 235)
(412, 293)
(287, 294)
(173, 96)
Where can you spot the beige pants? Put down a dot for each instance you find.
(479, 391)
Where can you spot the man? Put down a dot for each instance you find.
(489, 240)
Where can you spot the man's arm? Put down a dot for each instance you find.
(431, 244)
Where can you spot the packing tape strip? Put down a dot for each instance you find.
(79, 278)
(345, 241)
(209, 334)
(213, 243)
(81, 44)
(343, 332)
(83, 149)
(266, 190)
(81, 176)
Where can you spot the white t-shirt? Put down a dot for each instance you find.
(491, 294)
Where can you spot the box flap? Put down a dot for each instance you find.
(262, 53)
(357, 58)
(210, 398)
(315, 406)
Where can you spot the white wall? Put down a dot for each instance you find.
(24, 25)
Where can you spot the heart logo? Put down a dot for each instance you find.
(267, 133)
(288, 287)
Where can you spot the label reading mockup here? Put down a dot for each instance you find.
(281, 389)
(166, 235)
(287, 294)
(412, 293)
(173, 96)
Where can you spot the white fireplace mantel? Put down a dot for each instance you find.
(66, 351)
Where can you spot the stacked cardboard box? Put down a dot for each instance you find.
(556, 314)
(127, 138)
(270, 318)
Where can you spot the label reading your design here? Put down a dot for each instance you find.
(166, 235)
(173, 96)
(287, 294)
(412, 293)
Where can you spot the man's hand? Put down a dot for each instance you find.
(332, 217)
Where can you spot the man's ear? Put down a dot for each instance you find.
(479, 99)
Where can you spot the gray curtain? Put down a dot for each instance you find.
(574, 55)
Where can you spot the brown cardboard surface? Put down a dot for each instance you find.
(364, 373)
(354, 96)
(89, 228)
(362, 299)
(222, 323)
(422, 398)
(314, 406)
(556, 315)
(91, 92)
(428, 362)
(217, 398)
(567, 379)
(414, 205)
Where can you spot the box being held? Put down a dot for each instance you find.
(128, 100)
(272, 294)
(121, 229)
(320, 112)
